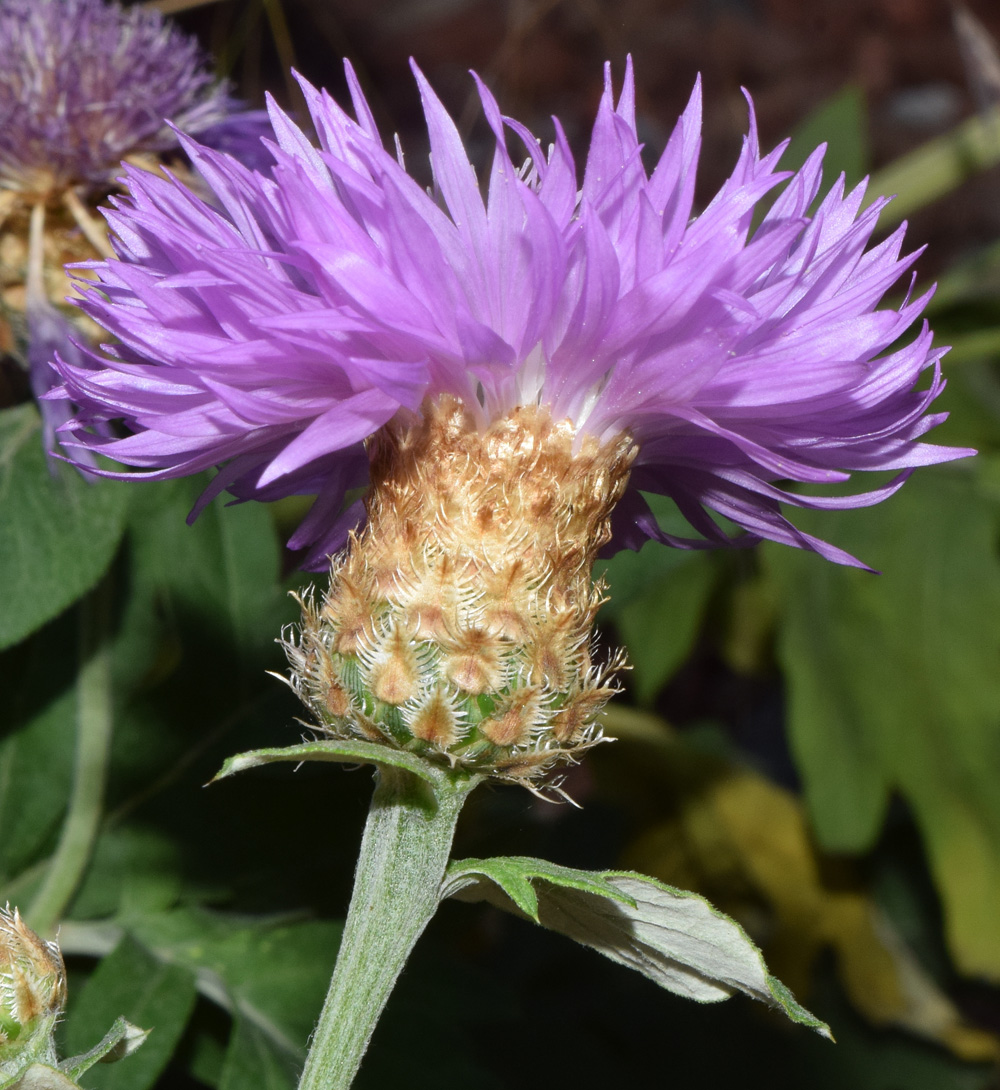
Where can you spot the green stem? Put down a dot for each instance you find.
(397, 886)
(93, 747)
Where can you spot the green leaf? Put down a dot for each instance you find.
(341, 752)
(973, 277)
(134, 871)
(629, 573)
(224, 567)
(132, 982)
(254, 1062)
(842, 123)
(58, 531)
(674, 937)
(120, 1041)
(974, 345)
(272, 974)
(205, 1054)
(36, 761)
(937, 167)
(893, 686)
(658, 615)
(196, 632)
(514, 874)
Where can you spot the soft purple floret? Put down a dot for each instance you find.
(273, 331)
(84, 83)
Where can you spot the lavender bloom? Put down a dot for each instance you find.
(273, 332)
(84, 83)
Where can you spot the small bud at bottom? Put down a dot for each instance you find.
(32, 983)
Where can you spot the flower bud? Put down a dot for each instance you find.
(32, 984)
(458, 623)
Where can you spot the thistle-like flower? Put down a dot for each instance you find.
(508, 375)
(83, 85)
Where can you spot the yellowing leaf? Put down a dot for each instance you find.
(745, 843)
(893, 685)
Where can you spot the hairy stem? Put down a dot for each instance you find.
(93, 747)
(397, 886)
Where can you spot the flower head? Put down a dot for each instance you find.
(275, 330)
(83, 83)
(508, 375)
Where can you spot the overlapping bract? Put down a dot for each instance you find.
(272, 333)
(84, 83)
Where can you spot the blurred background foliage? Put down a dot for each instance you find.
(815, 749)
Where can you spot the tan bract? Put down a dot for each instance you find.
(458, 623)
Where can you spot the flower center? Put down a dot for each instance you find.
(458, 623)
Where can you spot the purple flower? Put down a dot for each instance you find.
(84, 83)
(274, 331)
